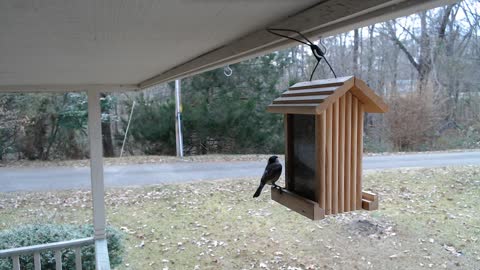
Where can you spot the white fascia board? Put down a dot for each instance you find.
(324, 19)
(67, 88)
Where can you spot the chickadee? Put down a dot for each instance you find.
(271, 175)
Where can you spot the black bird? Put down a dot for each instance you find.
(271, 175)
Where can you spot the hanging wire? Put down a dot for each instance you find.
(318, 53)
(227, 71)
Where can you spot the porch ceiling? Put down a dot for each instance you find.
(113, 44)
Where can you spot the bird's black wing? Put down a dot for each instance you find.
(271, 171)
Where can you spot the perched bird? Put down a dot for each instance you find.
(271, 175)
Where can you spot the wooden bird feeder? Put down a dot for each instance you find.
(324, 146)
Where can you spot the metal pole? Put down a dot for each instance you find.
(178, 119)
(126, 131)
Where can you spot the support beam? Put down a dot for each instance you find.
(96, 171)
(102, 262)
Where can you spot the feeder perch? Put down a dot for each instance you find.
(324, 145)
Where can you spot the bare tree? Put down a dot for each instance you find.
(356, 41)
(421, 61)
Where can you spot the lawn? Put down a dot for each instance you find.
(429, 218)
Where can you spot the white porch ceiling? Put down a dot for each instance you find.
(123, 44)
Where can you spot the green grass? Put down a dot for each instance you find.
(439, 204)
(429, 218)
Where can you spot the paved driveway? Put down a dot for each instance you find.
(34, 179)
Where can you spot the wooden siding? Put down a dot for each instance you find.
(339, 149)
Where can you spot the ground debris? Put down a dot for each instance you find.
(219, 226)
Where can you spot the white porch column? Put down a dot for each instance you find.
(102, 261)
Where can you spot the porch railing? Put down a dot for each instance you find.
(76, 245)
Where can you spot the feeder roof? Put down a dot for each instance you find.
(316, 96)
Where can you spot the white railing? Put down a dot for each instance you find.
(76, 245)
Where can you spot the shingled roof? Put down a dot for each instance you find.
(314, 97)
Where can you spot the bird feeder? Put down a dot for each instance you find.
(324, 145)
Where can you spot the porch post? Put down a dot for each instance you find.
(102, 261)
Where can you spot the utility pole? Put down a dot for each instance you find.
(178, 119)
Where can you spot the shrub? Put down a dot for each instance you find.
(411, 121)
(373, 144)
(36, 234)
(467, 138)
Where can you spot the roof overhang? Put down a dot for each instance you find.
(116, 45)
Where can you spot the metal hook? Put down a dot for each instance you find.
(227, 71)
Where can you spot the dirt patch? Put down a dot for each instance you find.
(370, 228)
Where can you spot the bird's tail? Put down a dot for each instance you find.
(259, 190)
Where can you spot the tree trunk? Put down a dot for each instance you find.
(396, 52)
(355, 52)
(107, 133)
(425, 60)
(53, 136)
(370, 56)
(423, 65)
(40, 130)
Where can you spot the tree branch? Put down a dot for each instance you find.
(394, 38)
(444, 22)
(410, 33)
